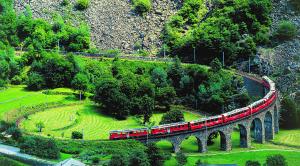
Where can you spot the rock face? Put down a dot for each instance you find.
(285, 56)
(113, 23)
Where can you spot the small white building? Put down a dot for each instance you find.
(70, 162)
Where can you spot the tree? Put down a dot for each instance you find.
(181, 158)
(159, 77)
(175, 72)
(155, 155)
(289, 113)
(77, 135)
(172, 117)
(216, 65)
(35, 81)
(252, 163)
(147, 107)
(138, 158)
(276, 160)
(165, 96)
(107, 93)
(40, 125)
(118, 160)
(80, 83)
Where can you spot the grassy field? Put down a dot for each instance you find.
(17, 96)
(86, 118)
(288, 137)
(238, 155)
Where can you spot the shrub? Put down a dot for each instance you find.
(9, 162)
(141, 6)
(77, 135)
(252, 163)
(35, 81)
(286, 30)
(41, 147)
(16, 80)
(172, 117)
(65, 2)
(82, 4)
(15, 132)
(181, 158)
(276, 160)
(296, 4)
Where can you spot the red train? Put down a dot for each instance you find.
(213, 121)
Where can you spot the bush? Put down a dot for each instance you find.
(15, 132)
(35, 81)
(41, 147)
(16, 80)
(9, 162)
(286, 30)
(65, 2)
(172, 117)
(296, 4)
(181, 158)
(276, 160)
(141, 6)
(77, 135)
(252, 163)
(82, 4)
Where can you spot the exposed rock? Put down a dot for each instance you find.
(113, 23)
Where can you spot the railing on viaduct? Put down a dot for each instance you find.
(265, 124)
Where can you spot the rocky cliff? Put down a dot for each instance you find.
(113, 23)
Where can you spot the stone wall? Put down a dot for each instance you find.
(113, 23)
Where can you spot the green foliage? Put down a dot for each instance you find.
(15, 133)
(296, 4)
(35, 81)
(141, 6)
(276, 160)
(138, 158)
(172, 117)
(77, 135)
(118, 160)
(51, 70)
(252, 163)
(9, 162)
(216, 65)
(40, 125)
(286, 30)
(65, 2)
(165, 97)
(41, 147)
(233, 27)
(21, 30)
(109, 94)
(290, 113)
(181, 158)
(80, 83)
(156, 157)
(82, 4)
(159, 77)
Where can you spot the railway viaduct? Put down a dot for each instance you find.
(265, 125)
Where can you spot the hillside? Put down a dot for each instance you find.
(113, 23)
(284, 56)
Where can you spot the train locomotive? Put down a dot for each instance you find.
(203, 123)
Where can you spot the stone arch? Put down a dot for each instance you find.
(201, 144)
(268, 125)
(166, 144)
(257, 126)
(244, 131)
(225, 139)
(276, 119)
